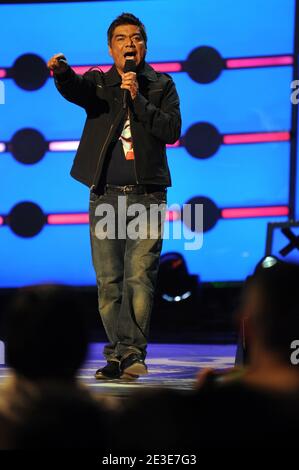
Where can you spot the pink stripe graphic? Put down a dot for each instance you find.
(167, 66)
(259, 62)
(256, 137)
(68, 219)
(172, 216)
(63, 145)
(83, 218)
(176, 144)
(244, 212)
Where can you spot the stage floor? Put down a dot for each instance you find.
(170, 366)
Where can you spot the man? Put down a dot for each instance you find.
(131, 116)
(258, 405)
(42, 403)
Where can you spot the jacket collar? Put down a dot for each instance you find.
(112, 77)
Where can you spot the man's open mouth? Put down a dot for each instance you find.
(130, 54)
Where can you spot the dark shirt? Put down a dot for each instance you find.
(118, 170)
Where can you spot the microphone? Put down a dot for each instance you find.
(130, 66)
(62, 60)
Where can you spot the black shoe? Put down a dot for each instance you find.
(111, 371)
(133, 365)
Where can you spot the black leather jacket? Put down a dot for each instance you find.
(154, 115)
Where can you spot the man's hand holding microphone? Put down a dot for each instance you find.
(58, 63)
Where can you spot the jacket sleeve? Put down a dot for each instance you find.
(163, 122)
(77, 89)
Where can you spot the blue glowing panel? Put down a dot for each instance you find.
(174, 28)
(239, 100)
(251, 100)
(56, 254)
(239, 175)
(246, 28)
(43, 109)
(46, 183)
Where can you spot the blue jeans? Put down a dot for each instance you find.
(126, 267)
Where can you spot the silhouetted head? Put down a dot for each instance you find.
(271, 306)
(46, 332)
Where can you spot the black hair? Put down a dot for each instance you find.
(126, 18)
(277, 317)
(46, 332)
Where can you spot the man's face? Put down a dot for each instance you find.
(127, 43)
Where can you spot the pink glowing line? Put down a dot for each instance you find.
(83, 218)
(68, 219)
(176, 144)
(167, 66)
(259, 62)
(2, 73)
(63, 145)
(2, 147)
(244, 212)
(70, 145)
(172, 216)
(256, 137)
(1, 220)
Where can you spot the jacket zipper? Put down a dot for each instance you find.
(129, 114)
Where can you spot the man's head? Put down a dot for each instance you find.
(271, 307)
(127, 39)
(46, 332)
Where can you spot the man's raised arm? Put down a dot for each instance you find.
(80, 90)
